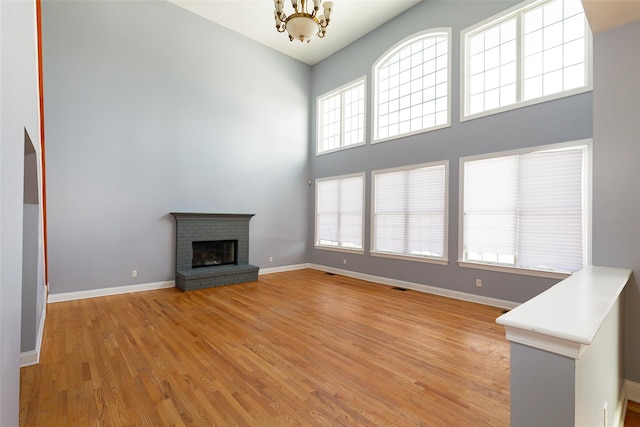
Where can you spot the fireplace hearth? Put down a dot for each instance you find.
(212, 250)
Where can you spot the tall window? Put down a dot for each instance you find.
(411, 92)
(341, 118)
(410, 212)
(525, 55)
(527, 210)
(339, 212)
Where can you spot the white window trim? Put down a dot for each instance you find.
(426, 259)
(587, 192)
(361, 80)
(495, 19)
(315, 214)
(374, 84)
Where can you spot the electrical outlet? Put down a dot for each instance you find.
(479, 283)
(134, 273)
(270, 259)
(344, 261)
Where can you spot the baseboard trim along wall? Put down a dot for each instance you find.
(494, 302)
(632, 391)
(29, 358)
(94, 293)
(32, 357)
(283, 269)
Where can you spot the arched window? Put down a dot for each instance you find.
(411, 92)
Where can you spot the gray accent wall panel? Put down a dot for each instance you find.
(561, 120)
(151, 109)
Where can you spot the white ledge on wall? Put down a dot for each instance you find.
(565, 318)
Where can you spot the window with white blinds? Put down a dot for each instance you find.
(527, 210)
(339, 212)
(410, 212)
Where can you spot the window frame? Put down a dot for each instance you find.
(419, 258)
(517, 11)
(319, 114)
(374, 85)
(587, 195)
(362, 213)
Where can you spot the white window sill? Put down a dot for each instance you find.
(337, 249)
(439, 261)
(515, 270)
(343, 148)
(417, 132)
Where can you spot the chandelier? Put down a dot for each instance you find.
(303, 25)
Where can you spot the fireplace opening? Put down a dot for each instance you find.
(216, 252)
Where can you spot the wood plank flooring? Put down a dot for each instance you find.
(632, 418)
(294, 348)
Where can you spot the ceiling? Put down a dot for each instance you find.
(604, 15)
(254, 19)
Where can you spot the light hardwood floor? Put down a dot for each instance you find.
(633, 415)
(295, 348)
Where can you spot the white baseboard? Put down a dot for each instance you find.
(94, 293)
(70, 296)
(283, 268)
(630, 391)
(29, 358)
(633, 391)
(32, 357)
(494, 302)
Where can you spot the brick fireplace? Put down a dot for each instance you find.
(195, 231)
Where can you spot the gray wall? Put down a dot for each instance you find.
(533, 372)
(556, 121)
(31, 277)
(18, 112)
(151, 109)
(616, 156)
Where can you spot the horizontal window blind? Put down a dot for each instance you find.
(551, 210)
(409, 212)
(490, 208)
(339, 221)
(526, 210)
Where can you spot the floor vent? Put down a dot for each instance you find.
(395, 288)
